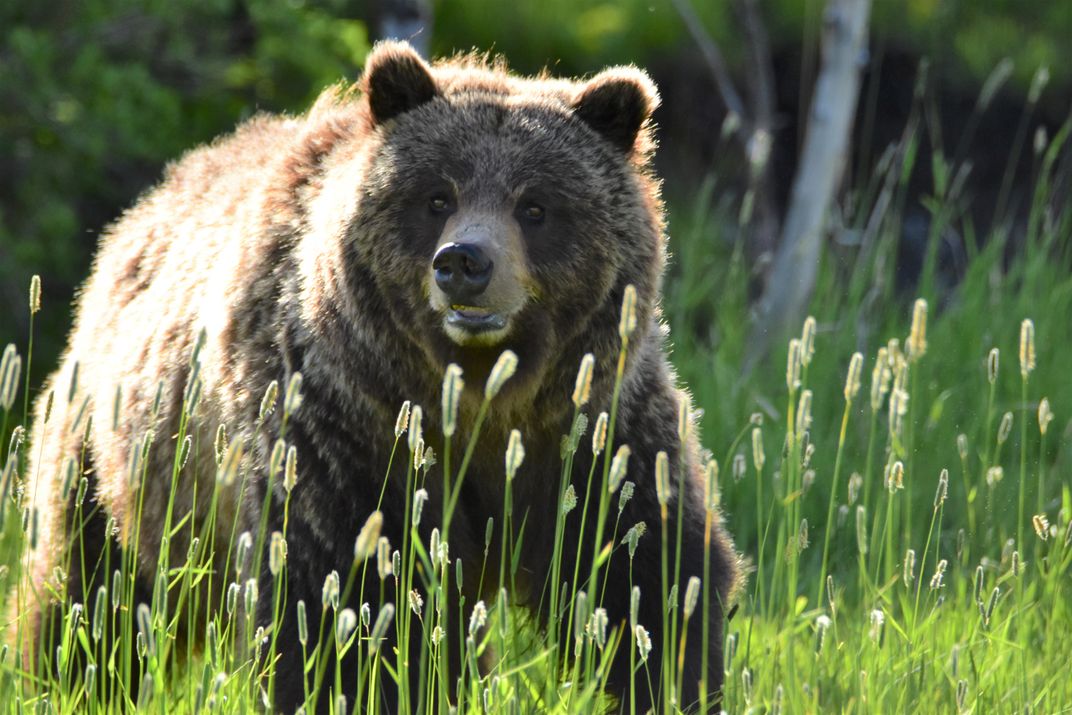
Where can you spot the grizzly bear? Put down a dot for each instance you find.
(430, 215)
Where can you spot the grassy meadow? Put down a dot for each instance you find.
(896, 478)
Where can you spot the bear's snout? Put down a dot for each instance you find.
(462, 271)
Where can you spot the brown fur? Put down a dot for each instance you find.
(304, 244)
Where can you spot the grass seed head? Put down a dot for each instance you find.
(380, 628)
(803, 413)
(271, 394)
(292, 399)
(852, 378)
(962, 446)
(453, 384)
(345, 625)
(1041, 140)
(861, 529)
(623, 498)
(1045, 416)
(628, 321)
(504, 369)
(711, 488)
(368, 537)
(1005, 428)
(277, 553)
(100, 605)
(597, 627)
(634, 607)
(145, 628)
(1042, 526)
(692, 596)
(980, 575)
(242, 552)
(898, 402)
(384, 567)
(515, 455)
(632, 537)
(18, 437)
(251, 593)
(478, 618)
(227, 472)
(822, 625)
(877, 619)
(758, 456)
(994, 475)
(939, 575)
(880, 379)
(277, 458)
(416, 603)
(856, 483)
(402, 421)
(1038, 83)
(895, 477)
(220, 443)
(419, 451)
(1027, 347)
(35, 294)
(740, 466)
(662, 478)
(943, 488)
(917, 337)
(643, 642)
(684, 419)
(415, 435)
(991, 602)
(599, 434)
(807, 341)
(792, 365)
(420, 497)
(303, 624)
(117, 589)
(329, 593)
(290, 471)
(569, 500)
(10, 367)
(582, 388)
(909, 576)
(619, 466)
(993, 362)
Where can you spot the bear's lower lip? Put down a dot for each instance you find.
(475, 320)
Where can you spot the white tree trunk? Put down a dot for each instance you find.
(826, 147)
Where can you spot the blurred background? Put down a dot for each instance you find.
(957, 101)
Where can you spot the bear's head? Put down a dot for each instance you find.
(498, 212)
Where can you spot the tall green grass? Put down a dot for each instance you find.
(900, 492)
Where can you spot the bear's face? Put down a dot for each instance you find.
(498, 212)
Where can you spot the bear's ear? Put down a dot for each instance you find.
(616, 103)
(396, 80)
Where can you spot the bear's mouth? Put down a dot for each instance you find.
(474, 319)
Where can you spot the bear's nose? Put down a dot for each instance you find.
(462, 270)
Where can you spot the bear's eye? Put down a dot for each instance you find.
(533, 212)
(440, 203)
